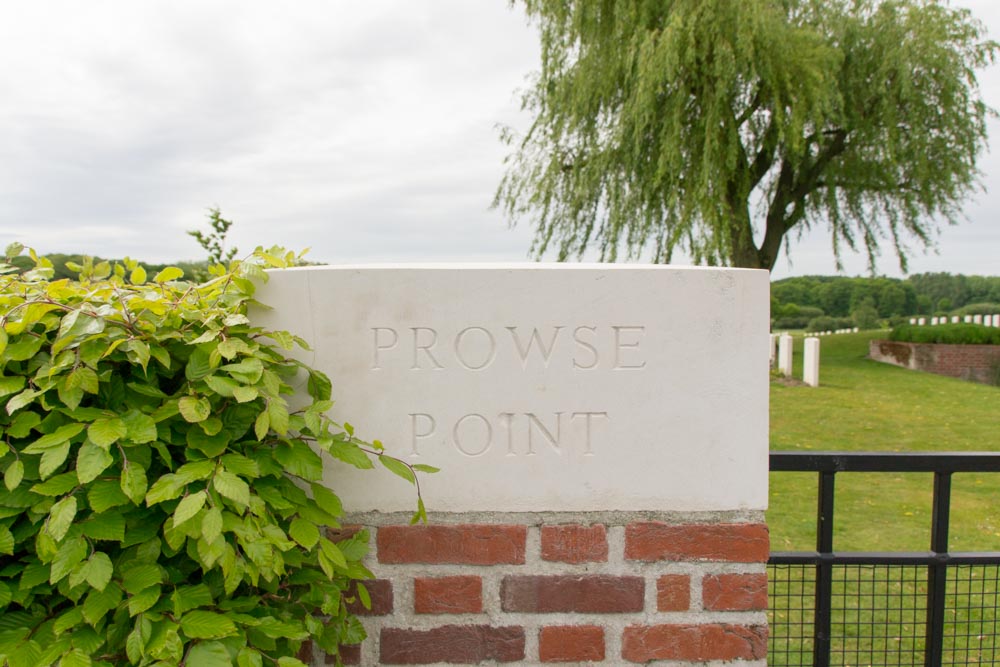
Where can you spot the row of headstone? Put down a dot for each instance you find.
(781, 354)
(837, 331)
(987, 320)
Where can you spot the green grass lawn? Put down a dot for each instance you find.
(862, 405)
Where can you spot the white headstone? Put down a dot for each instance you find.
(921, 321)
(810, 362)
(977, 319)
(954, 319)
(913, 320)
(996, 320)
(968, 319)
(556, 387)
(785, 355)
(855, 330)
(774, 349)
(934, 321)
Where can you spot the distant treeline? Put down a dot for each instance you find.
(797, 303)
(192, 270)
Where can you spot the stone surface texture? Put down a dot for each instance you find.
(542, 387)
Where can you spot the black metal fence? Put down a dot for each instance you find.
(928, 608)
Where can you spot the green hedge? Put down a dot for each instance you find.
(951, 334)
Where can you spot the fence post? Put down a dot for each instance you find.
(824, 572)
(937, 573)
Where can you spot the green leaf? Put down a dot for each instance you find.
(222, 386)
(261, 425)
(21, 400)
(327, 500)
(106, 526)
(194, 408)
(143, 600)
(189, 506)
(304, 532)
(211, 524)
(91, 462)
(330, 550)
(56, 486)
(168, 274)
(23, 424)
(278, 416)
(13, 475)
(139, 428)
(140, 577)
(61, 517)
(6, 541)
(167, 487)
(133, 483)
(54, 439)
(68, 619)
(248, 657)
(99, 570)
(11, 385)
(288, 661)
(52, 460)
(75, 658)
(70, 554)
(103, 495)
(138, 276)
(105, 432)
(198, 365)
(99, 603)
(398, 468)
(135, 645)
(209, 654)
(232, 487)
(423, 467)
(186, 598)
(200, 624)
(319, 386)
(245, 394)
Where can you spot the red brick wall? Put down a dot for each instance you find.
(602, 589)
(967, 362)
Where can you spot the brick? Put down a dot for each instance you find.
(588, 594)
(305, 653)
(349, 655)
(470, 544)
(673, 592)
(695, 643)
(571, 643)
(452, 644)
(380, 592)
(575, 544)
(448, 595)
(732, 542)
(734, 592)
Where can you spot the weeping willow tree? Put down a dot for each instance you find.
(723, 128)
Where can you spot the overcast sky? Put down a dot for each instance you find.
(366, 131)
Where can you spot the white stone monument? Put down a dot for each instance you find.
(785, 345)
(977, 319)
(810, 362)
(921, 321)
(564, 387)
(774, 349)
(968, 319)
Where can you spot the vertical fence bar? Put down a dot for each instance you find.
(937, 573)
(824, 571)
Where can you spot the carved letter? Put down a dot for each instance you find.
(391, 345)
(586, 345)
(546, 433)
(426, 349)
(506, 417)
(534, 338)
(417, 434)
(621, 346)
(587, 417)
(489, 435)
(490, 356)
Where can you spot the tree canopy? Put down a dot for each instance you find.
(724, 128)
